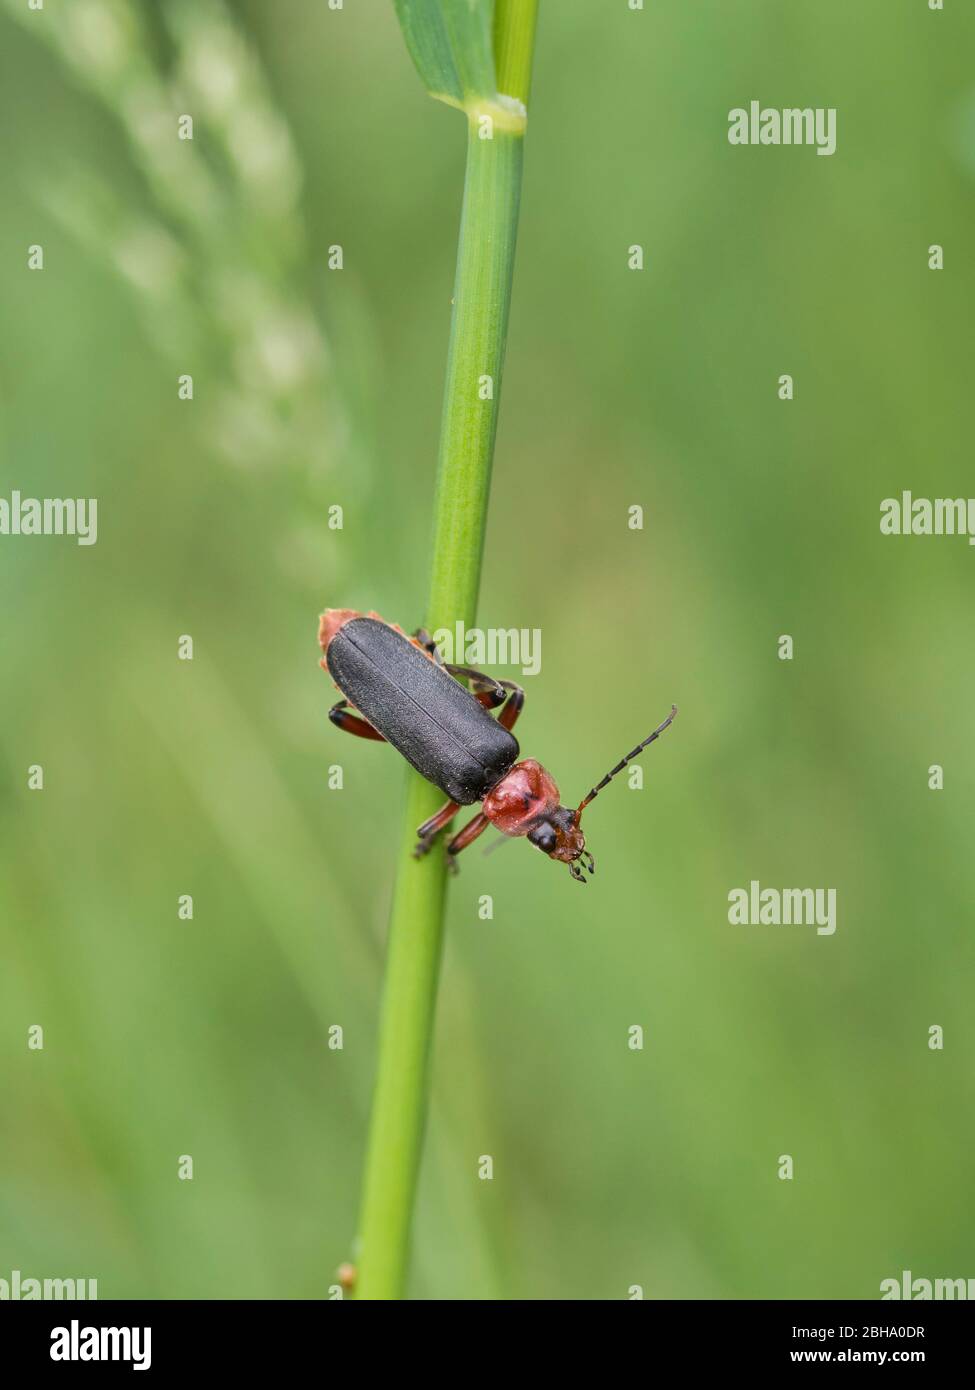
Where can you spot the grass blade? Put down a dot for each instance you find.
(450, 43)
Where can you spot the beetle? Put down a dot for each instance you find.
(397, 689)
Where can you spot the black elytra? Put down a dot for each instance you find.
(437, 725)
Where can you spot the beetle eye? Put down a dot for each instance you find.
(544, 837)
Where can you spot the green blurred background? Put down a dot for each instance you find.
(313, 388)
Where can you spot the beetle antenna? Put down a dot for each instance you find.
(497, 844)
(622, 763)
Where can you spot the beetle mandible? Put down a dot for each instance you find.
(398, 690)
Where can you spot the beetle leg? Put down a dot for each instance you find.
(431, 828)
(492, 692)
(490, 699)
(353, 723)
(466, 837)
(428, 644)
(481, 682)
(513, 708)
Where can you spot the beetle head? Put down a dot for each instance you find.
(558, 835)
(526, 802)
(568, 841)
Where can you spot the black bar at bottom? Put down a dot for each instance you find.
(167, 1339)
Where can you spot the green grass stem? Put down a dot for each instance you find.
(482, 294)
